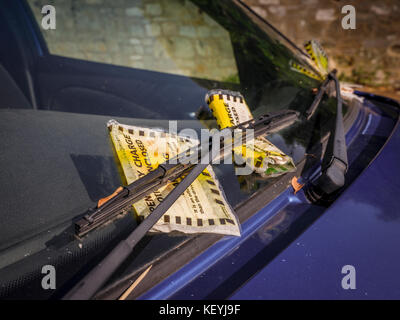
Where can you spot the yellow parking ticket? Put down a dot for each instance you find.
(201, 209)
(230, 109)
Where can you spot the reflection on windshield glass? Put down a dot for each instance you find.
(171, 36)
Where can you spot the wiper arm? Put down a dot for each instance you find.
(96, 278)
(334, 163)
(317, 100)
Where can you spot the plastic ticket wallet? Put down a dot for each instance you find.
(230, 109)
(201, 209)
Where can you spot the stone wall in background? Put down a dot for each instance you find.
(369, 55)
(170, 36)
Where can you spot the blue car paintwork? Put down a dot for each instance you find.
(361, 228)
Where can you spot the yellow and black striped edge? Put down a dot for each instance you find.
(318, 56)
(198, 222)
(217, 196)
(225, 105)
(304, 70)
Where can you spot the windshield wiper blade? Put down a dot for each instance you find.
(96, 278)
(317, 100)
(334, 163)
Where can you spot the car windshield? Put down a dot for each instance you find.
(140, 63)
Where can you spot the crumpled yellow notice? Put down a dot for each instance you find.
(201, 209)
(230, 109)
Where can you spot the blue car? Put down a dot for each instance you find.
(328, 229)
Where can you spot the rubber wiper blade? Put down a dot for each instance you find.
(317, 100)
(335, 162)
(97, 277)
